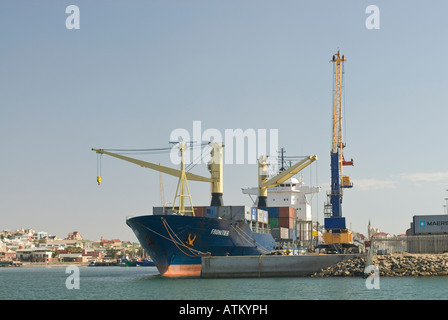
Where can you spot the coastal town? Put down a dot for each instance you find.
(27, 247)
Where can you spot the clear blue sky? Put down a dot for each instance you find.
(136, 70)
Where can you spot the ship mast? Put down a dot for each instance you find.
(183, 184)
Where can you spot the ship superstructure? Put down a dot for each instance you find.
(292, 193)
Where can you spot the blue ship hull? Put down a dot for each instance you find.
(176, 243)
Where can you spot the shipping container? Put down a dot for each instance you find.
(272, 211)
(273, 222)
(225, 212)
(211, 212)
(286, 223)
(430, 224)
(292, 234)
(158, 211)
(280, 233)
(199, 211)
(239, 212)
(275, 233)
(253, 214)
(261, 214)
(284, 233)
(165, 210)
(287, 212)
(248, 214)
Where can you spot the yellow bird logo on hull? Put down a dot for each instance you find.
(190, 240)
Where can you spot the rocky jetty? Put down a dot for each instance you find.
(394, 265)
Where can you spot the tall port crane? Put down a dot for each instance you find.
(336, 233)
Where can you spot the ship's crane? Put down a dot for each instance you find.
(336, 233)
(183, 192)
(264, 183)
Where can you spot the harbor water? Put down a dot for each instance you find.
(144, 283)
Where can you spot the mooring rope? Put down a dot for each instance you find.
(172, 240)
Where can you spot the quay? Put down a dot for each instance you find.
(269, 265)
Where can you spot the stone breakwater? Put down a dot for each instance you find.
(395, 265)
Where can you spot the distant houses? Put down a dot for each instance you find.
(29, 246)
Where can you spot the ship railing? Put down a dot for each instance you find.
(263, 229)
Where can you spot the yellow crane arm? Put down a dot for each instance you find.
(286, 174)
(157, 167)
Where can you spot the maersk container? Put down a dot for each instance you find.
(431, 224)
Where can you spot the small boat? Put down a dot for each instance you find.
(145, 263)
(129, 263)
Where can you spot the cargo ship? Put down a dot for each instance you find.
(177, 237)
(176, 242)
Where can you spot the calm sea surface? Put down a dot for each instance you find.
(136, 283)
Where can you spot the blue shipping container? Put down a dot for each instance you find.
(253, 214)
(211, 212)
(272, 211)
(292, 234)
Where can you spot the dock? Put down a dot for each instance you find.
(269, 265)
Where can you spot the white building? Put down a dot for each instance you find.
(34, 254)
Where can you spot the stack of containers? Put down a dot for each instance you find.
(288, 220)
(273, 217)
(282, 221)
(286, 217)
(239, 213)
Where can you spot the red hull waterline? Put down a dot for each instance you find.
(183, 270)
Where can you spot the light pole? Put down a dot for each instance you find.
(446, 204)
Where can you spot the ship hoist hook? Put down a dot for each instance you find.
(98, 168)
